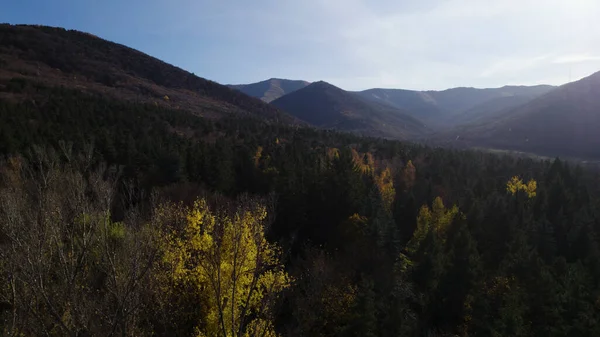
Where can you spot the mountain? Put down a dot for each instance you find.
(456, 100)
(271, 89)
(490, 109)
(58, 57)
(564, 122)
(439, 108)
(420, 103)
(324, 105)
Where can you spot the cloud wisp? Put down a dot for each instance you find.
(438, 44)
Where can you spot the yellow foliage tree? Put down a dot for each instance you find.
(228, 259)
(385, 183)
(436, 219)
(516, 184)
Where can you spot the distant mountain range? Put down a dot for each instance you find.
(538, 119)
(440, 108)
(436, 109)
(270, 89)
(324, 105)
(564, 122)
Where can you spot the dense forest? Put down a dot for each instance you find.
(130, 219)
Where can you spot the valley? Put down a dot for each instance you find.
(545, 120)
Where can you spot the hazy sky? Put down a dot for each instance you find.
(354, 44)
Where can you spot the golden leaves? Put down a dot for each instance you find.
(385, 183)
(229, 260)
(364, 162)
(333, 153)
(436, 219)
(516, 184)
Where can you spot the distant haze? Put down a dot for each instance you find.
(354, 44)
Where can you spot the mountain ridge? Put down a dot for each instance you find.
(325, 105)
(437, 108)
(563, 122)
(440, 107)
(271, 89)
(74, 59)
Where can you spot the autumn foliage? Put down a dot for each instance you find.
(515, 184)
(141, 221)
(227, 259)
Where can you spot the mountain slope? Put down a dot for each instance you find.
(418, 102)
(327, 106)
(490, 109)
(58, 57)
(270, 89)
(564, 122)
(439, 108)
(460, 99)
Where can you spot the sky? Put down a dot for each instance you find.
(354, 44)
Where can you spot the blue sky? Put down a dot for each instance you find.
(354, 44)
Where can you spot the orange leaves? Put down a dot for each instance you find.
(333, 153)
(364, 162)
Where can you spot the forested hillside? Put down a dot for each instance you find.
(563, 122)
(135, 219)
(73, 59)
